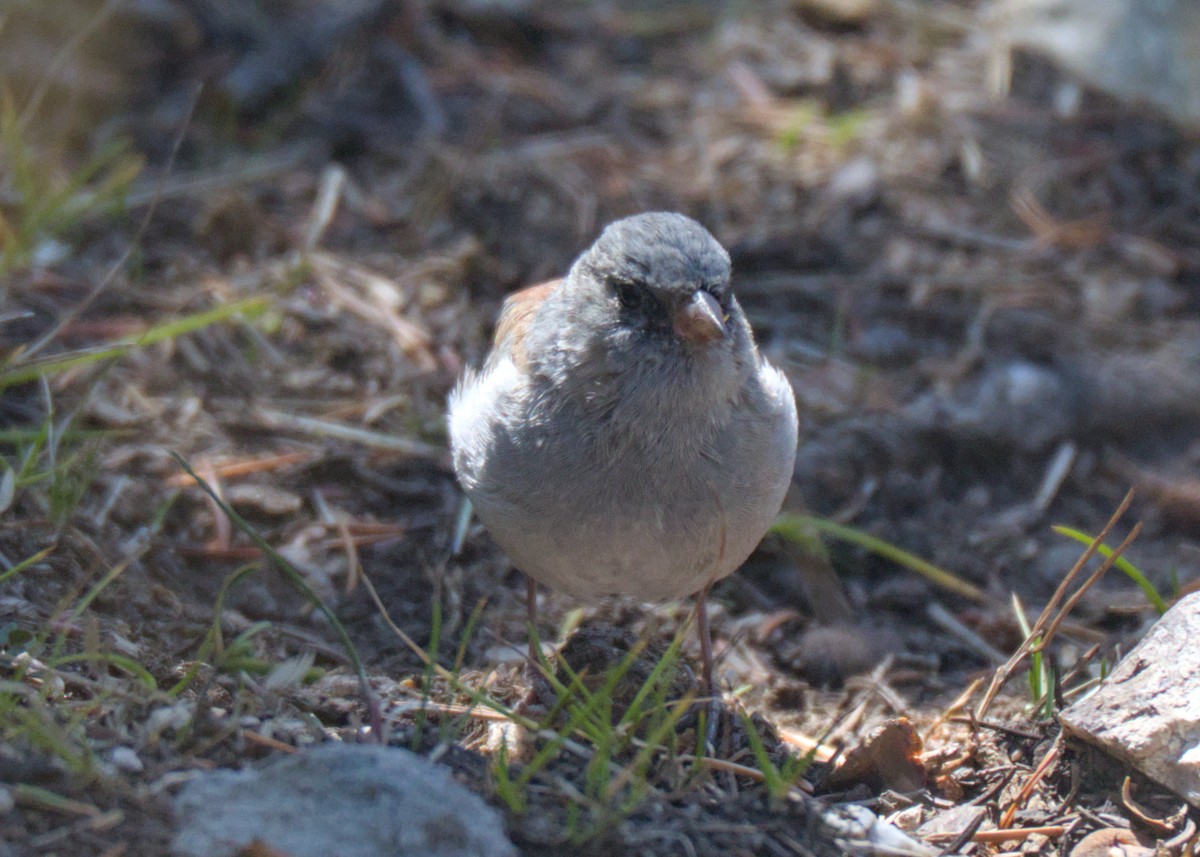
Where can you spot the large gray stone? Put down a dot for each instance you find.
(1147, 713)
(1140, 51)
(338, 800)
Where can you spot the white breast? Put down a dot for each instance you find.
(660, 523)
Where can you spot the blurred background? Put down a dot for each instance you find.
(270, 235)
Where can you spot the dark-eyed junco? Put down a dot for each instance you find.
(624, 436)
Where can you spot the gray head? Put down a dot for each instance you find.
(661, 273)
(646, 308)
(669, 255)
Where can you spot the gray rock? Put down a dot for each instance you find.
(1140, 51)
(1017, 405)
(1147, 714)
(859, 833)
(952, 822)
(338, 800)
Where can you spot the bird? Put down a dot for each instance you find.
(624, 436)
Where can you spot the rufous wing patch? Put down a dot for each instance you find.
(515, 317)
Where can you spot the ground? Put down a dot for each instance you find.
(267, 245)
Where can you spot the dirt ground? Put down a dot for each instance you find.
(989, 312)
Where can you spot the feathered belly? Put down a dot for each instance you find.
(649, 528)
(655, 511)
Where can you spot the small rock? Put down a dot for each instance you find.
(886, 345)
(839, 12)
(908, 819)
(168, 718)
(125, 759)
(1017, 405)
(827, 655)
(857, 183)
(1111, 842)
(888, 758)
(949, 825)
(264, 498)
(1147, 713)
(338, 799)
(858, 831)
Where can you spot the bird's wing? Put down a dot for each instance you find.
(515, 318)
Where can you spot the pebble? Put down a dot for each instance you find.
(352, 800)
(125, 759)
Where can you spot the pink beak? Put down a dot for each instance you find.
(701, 320)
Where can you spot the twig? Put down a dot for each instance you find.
(1003, 673)
(1036, 777)
(1161, 827)
(945, 620)
(822, 752)
(953, 708)
(206, 183)
(966, 835)
(413, 339)
(241, 467)
(1055, 475)
(1087, 584)
(329, 194)
(326, 428)
(991, 837)
(268, 742)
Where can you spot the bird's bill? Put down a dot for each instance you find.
(701, 320)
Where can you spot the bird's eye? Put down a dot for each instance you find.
(629, 293)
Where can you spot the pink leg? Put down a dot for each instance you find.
(531, 617)
(706, 648)
(710, 685)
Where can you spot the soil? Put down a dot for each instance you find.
(989, 312)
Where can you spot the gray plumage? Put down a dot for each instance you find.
(607, 448)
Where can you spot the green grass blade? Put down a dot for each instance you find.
(247, 308)
(654, 681)
(22, 373)
(26, 563)
(1131, 571)
(20, 436)
(776, 785)
(97, 588)
(798, 528)
(119, 661)
(45, 799)
(212, 642)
